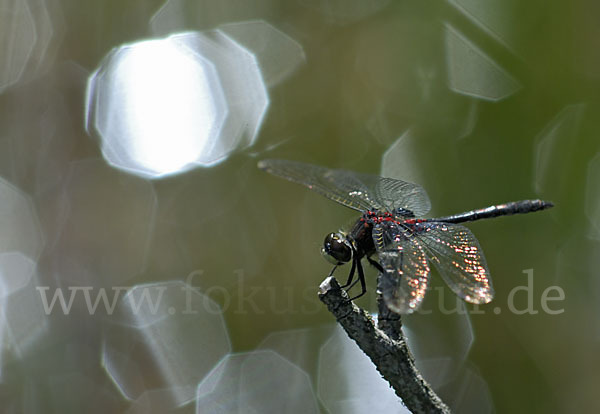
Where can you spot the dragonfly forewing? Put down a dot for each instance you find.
(361, 192)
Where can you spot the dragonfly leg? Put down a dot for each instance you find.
(350, 275)
(363, 284)
(352, 285)
(332, 270)
(375, 265)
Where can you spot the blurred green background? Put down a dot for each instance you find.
(479, 102)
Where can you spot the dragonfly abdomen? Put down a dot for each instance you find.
(506, 209)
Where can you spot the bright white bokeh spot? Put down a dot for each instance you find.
(256, 382)
(22, 317)
(170, 336)
(19, 226)
(156, 107)
(168, 101)
(278, 54)
(350, 383)
(472, 72)
(161, 107)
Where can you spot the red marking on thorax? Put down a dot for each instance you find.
(414, 221)
(379, 217)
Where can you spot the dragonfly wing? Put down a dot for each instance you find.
(355, 190)
(405, 276)
(457, 255)
(395, 194)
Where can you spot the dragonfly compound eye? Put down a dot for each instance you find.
(337, 249)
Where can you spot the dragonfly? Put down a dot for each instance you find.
(391, 225)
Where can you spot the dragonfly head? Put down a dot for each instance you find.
(337, 249)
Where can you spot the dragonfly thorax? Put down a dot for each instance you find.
(337, 249)
(403, 212)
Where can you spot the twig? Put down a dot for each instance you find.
(385, 345)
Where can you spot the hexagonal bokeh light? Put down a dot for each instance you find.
(554, 146)
(256, 382)
(168, 338)
(440, 343)
(496, 17)
(19, 226)
(277, 53)
(164, 106)
(399, 160)
(17, 40)
(350, 383)
(28, 38)
(472, 72)
(22, 317)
